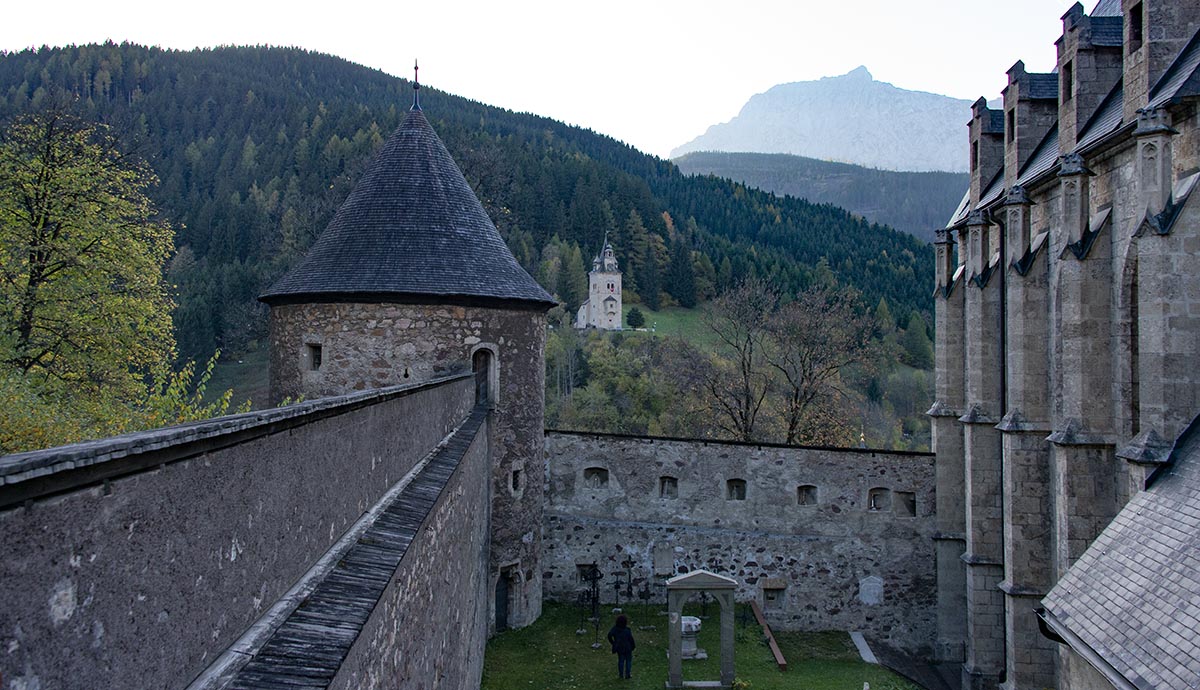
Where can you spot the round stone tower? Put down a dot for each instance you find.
(411, 280)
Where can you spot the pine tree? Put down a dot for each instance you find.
(883, 317)
(572, 280)
(635, 318)
(681, 277)
(918, 350)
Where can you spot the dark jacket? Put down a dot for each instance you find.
(621, 640)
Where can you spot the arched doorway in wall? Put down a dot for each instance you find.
(503, 598)
(482, 363)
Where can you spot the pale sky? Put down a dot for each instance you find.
(654, 74)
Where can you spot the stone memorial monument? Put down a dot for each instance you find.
(679, 588)
(691, 629)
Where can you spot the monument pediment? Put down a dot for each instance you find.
(701, 579)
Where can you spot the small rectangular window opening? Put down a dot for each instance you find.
(974, 156)
(772, 599)
(879, 499)
(314, 357)
(806, 495)
(1011, 129)
(906, 504)
(736, 490)
(1136, 22)
(595, 477)
(516, 480)
(1068, 82)
(668, 487)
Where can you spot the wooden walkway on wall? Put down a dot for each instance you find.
(307, 650)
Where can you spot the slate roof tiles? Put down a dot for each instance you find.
(1108, 31)
(1107, 119)
(1131, 595)
(412, 226)
(1107, 8)
(1182, 78)
(1043, 86)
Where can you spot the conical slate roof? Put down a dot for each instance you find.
(411, 230)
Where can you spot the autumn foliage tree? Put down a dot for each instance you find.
(86, 343)
(736, 385)
(82, 257)
(812, 338)
(776, 366)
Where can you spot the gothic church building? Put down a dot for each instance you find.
(1068, 338)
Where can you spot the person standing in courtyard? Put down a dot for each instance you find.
(621, 639)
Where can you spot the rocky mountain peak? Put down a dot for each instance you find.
(851, 118)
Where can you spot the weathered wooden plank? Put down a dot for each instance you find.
(310, 646)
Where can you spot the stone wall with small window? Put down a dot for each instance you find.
(823, 539)
(334, 348)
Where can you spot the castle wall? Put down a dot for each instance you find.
(431, 624)
(371, 345)
(135, 561)
(820, 559)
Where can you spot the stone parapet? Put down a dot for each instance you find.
(192, 548)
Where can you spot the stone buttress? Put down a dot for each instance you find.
(1076, 342)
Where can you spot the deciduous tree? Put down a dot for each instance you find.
(737, 385)
(812, 339)
(85, 318)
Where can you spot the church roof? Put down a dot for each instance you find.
(1108, 30)
(1042, 86)
(1107, 8)
(1182, 78)
(411, 230)
(1044, 158)
(1107, 119)
(1133, 597)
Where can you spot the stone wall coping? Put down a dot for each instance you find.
(172, 443)
(912, 454)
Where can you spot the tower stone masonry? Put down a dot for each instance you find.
(411, 281)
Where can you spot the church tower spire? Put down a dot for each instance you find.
(416, 87)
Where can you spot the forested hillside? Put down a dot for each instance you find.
(915, 202)
(255, 148)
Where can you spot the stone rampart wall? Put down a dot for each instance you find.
(135, 561)
(833, 564)
(431, 624)
(368, 345)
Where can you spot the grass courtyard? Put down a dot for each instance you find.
(550, 655)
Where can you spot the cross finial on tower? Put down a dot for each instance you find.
(416, 87)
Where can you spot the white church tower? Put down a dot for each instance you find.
(602, 309)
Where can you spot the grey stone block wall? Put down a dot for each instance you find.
(142, 580)
(822, 556)
(366, 345)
